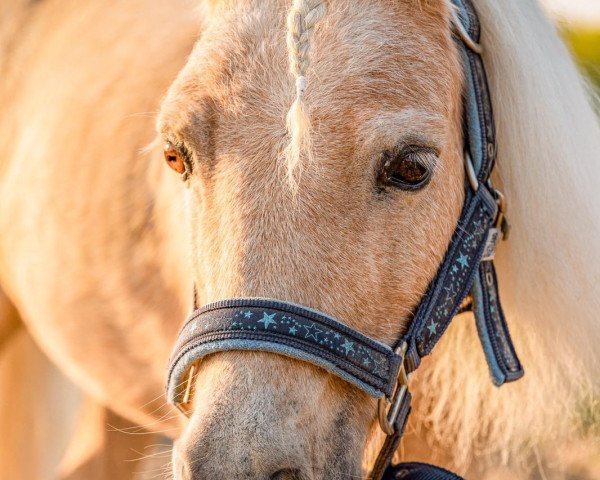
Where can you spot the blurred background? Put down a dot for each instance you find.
(579, 23)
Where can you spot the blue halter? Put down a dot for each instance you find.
(378, 369)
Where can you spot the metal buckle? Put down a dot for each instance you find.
(499, 231)
(459, 29)
(184, 405)
(501, 221)
(388, 416)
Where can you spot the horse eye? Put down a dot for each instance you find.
(409, 168)
(174, 158)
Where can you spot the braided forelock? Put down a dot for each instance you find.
(302, 20)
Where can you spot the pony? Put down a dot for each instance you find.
(278, 116)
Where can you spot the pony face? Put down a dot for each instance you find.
(347, 208)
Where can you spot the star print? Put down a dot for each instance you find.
(348, 346)
(450, 293)
(293, 330)
(454, 269)
(366, 362)
(463, 260)
(480, 229)
(336, 335)
(379, 368)
(312, 331)
(267, 320)
(432, 327)
(248, 314)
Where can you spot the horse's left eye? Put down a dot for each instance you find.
(408, 168)
(174, 158)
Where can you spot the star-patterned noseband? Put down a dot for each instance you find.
(381, 370)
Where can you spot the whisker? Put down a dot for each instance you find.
(114, 428)
(143, 456)
(163, 394)
(139, 428)
(165, 472)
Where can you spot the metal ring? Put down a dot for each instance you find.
(387, 417)
(471, 175)
(459, 29)
(184, 404)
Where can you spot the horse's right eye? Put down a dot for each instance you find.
(174, 158)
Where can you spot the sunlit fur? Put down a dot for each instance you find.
(95, 248)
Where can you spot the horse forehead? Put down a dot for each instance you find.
(366, 57)
(247, 40)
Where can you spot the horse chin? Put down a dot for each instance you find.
(264, 416)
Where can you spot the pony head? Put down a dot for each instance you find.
(364, 100)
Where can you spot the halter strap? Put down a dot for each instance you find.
(480, 158)
(377, 369)
(288, 329)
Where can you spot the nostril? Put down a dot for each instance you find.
(286, 474)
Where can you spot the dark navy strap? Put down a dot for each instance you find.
(481, 143)
(418, 471)
(479, 117)
(476, 235)
(493, 331)
(455, 277)
(288, 329)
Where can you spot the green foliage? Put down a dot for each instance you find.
(585, 45)
(587, 414)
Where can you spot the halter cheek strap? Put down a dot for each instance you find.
(377, 369)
